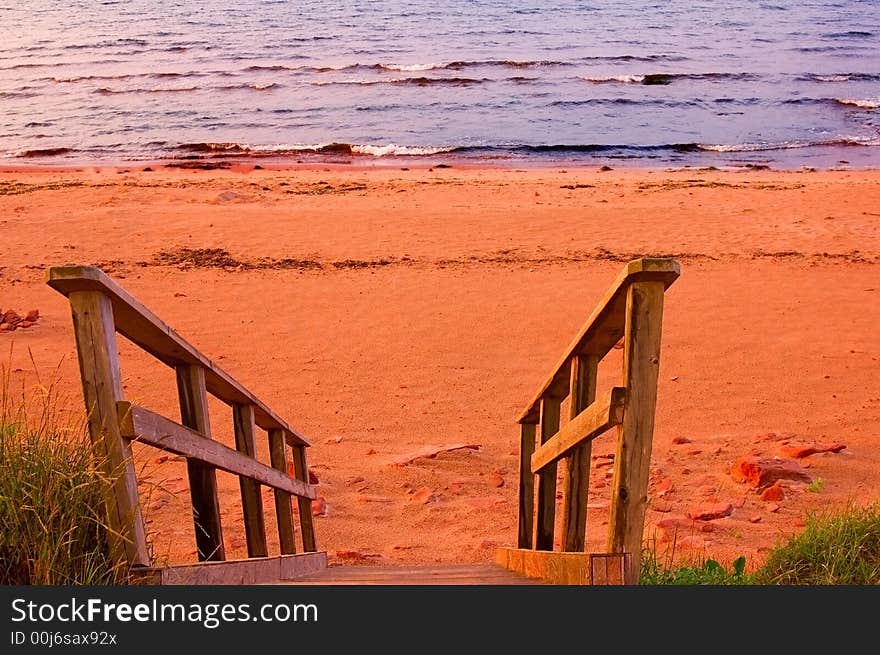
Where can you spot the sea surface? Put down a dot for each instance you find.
(679, 82)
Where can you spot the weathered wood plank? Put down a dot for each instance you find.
(307, 525)
(525, 537)
(259, 570)
(604, 327)
(283, 508)
(450, 574)
(641, 365)
(142, 327)
(546, 513)
(590, 423)
(202, 477)
(102, 389)
(251, 498)
(156, 430)
(576, 485)
(560, 568)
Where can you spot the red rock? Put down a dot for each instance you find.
(661, 506)
(4, 327)
(351, 555)
(33, 316)
(603, 456)
(291, 471)
(799, 451)
(710, 512)
(488, 544)
(496, 479)
(25, 324)
(665, 485)
(484, 502)
(678, 441)
(799, 523)
(692, 541)
(694, 452)
(760, 472)
(739, 502)
(755, 518)
(319, 506)
(313, 477)
(371, 451)
(355, 480)
(600, 463)
(773, 508)
(10, 317)
(773, 493)
(374, 499)
(423, 496)
(430, 452)
(676, 527)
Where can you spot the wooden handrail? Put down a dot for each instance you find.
(631, 311)
(140, 424)
(142, 327)
(100, 308)
(603, 328)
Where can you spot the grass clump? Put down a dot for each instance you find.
(52, 522)
(840, 548)
(700, 571)
(834, 548)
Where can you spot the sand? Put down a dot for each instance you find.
(381, 310)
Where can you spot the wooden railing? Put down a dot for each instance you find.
(631, 309)
(100, 308)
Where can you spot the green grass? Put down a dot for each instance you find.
(660, 570)
(841, 548)
(835, 548)
(52, 528)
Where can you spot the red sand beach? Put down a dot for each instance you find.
(383, 310)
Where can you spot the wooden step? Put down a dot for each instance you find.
(451, 574)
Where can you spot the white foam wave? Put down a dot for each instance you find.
(625, 79)
(410, 68)
(864, 103)
(394, 149)
(788, 145)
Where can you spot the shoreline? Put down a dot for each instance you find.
(387, 164)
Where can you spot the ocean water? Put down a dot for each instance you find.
(691, 82)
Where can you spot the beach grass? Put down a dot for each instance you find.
(835, 548)
(52, 525)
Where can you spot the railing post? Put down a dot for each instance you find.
(641, 365)
(95, 332)
(202, 477)
(577, 470)
(300, 466)
(526, 486)
(251, 498)
(546, 514)
(283, 508)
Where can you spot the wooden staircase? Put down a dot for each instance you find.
(631, 310)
